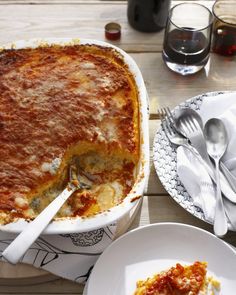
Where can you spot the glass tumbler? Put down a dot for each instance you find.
(187, 38)
(224, 27)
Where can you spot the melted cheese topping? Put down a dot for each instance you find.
(56, 102)
(180, 280)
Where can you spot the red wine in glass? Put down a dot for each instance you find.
(186, 49)
(224, 27)
(224, 39)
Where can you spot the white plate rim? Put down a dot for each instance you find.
(182, 226)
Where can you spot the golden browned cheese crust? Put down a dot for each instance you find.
(57, 101)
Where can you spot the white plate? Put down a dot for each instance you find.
(165, 155)
(150, 249)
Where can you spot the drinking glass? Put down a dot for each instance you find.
(224, 27)
(187, 38)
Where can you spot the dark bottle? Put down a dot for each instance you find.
(148, 15)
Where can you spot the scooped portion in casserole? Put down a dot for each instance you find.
(57, 102)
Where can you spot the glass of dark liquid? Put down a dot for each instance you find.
(187, 39)
(224, 27)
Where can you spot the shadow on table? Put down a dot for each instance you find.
(166, 209)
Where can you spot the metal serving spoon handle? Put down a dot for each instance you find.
(28, 236)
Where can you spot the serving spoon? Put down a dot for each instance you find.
(216, 142)
(28, 236)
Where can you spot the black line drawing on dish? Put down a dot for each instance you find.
(86, 239)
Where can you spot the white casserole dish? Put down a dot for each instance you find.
(122, 212)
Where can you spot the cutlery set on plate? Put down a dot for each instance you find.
(208, 143)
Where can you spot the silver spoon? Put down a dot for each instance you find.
(216, 141)
(198, 141)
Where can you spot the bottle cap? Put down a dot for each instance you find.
(112, 31)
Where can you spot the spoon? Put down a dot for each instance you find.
(216, 141)
(28, 236)
(190, 125)
(198, 142)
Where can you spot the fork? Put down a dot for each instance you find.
(171, 133)
(178, 139)
(28, 236)
(192, 129)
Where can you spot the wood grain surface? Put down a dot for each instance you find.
(25, 19)
(77, 19)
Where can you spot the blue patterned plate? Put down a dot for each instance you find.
(165, 160)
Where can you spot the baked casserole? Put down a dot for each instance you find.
(58, 102)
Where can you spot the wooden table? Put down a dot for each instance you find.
(24, 19)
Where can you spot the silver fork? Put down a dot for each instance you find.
(178, 139)
(193, 131)
(170, 131)
(170, 118)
